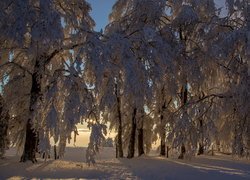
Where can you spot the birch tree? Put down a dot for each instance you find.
(38, 34)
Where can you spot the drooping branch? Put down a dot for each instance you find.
(16, 65)
(220, 96)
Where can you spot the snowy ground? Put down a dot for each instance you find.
(107, 167)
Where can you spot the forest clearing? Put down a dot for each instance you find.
(160, 90)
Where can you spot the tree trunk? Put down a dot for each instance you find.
(238, 145)
(140, 142)
(4, 121)
(119, 135)
(201, 149)
(201, 145)
(162, 126)
(184, 97)
(167, 151)
(163, 144)
(183, 151)
(116, 150)
(119, 141)
(31, 139)
(163, 136)
(131, 146)
(29, 152)
(55, 153)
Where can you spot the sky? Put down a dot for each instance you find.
(100, 12)
(102, 8)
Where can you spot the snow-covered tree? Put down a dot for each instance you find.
(231, 51)
(192, 23)
(139, 23)
(176, 69)
(38, 38)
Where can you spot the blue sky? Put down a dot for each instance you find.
(102, 8)
(100, 12)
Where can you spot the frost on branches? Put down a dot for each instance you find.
(97, 137)
(36, 47)
(172, 70)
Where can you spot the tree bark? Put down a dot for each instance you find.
(4, 121)
(29, 152)
(31, 139)
(167, 151)
(184, 97)
(140, 142)
(131, 146)
(201, 149)
(119, 141)
(201, 144)
(163, 144)
(163, 135)
(55, 153)
(238, 145)
(183, 151)
(116, 150)
(119, 135)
